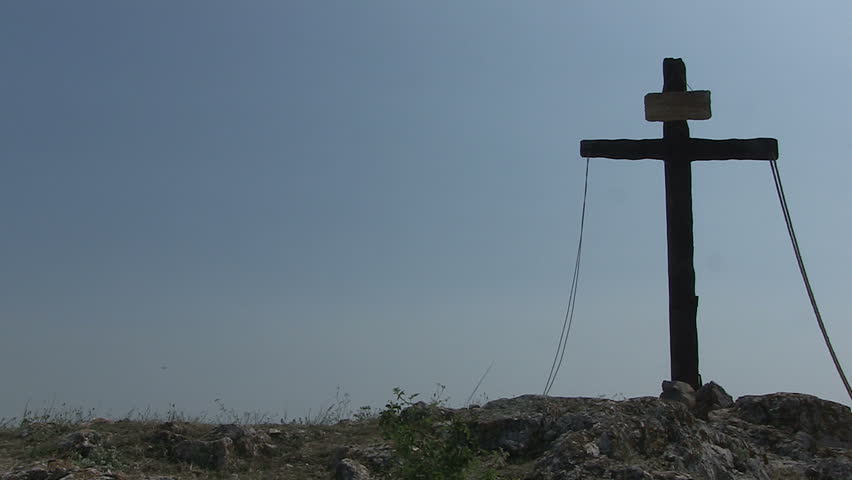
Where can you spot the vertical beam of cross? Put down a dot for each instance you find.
(683, 303)
(677, 150)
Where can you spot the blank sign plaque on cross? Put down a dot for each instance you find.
(677, 150)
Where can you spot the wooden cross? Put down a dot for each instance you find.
(674, 107)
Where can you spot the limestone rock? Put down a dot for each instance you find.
(655, 439)
(643, 438)
(206, 454)
(31, 473)
(376, 456)
(828, 422)
(248, 442)
(59, 470)
(93, 474)
(215, 449)
(349, 469)
(82, 441)
(678, 392)
(711, 396)
(524, 426)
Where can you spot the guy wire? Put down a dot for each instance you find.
(572, 296)
(782, 197)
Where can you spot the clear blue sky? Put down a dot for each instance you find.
(273, 199)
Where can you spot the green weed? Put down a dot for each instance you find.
(429, 444)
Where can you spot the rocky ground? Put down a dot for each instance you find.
(684, 435)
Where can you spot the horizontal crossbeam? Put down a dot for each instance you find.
(691, 149)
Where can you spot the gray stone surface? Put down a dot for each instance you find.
(828, 422)
(348, 469)
(205, 453)
(678, 392)
(248, 442)
(789, 436)
(82, 441)
(59, 470)
(217, 448)
(375, 456)
(711, 396)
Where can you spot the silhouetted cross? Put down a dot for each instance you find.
(674, 107)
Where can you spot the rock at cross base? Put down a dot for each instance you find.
(711, 396)
(789, 436)
(676, 391)
(206, 454)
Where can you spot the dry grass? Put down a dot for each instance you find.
(303, 448)
(300, 451)
(133, 447)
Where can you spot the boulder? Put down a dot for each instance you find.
(59, 470)
(829, 423)
(348, 469)
(205, 454)
(524, 426)
(643, 438)
(38, 472)
(248, 442)
(378, 457)
(82, 441)
(216, 448)
(711, 396)
(677, 391)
